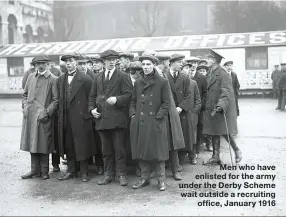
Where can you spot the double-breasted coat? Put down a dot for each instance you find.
(39, 103)
(220, 93)
(79, 116)
(112, 116)
(148, 128)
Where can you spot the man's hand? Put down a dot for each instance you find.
(111, 100)
(179, 110)
(95, 113)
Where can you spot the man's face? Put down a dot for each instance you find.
(41, 66)
(110, 63)
(211, 61)
(228, 67)
(186, 69)
(166, 64)
(161, 65)
(135, 73)
(82, 67)
(147, 66)
(97, 65)
(71, 64)
(203, 71)
(177, 65)
(89, 65)
(194, 65)
(124, 62)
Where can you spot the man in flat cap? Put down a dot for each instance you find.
(89, 63)
(39, 103)
(194, 61)
(281, 84)
(75, 123)
(109, 100)
(149, 52)
(98, 64)
(148, 128)
(202, 62)
(276, 74)
(163, 63)
(220, 107)
(235, 83)
(125, 59)
(82, 65)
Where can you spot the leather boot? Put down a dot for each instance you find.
(31, 175)
(216, 152)
(123, 180)
(177, 176)
(85, 177)
(67, 176)
(237, 152)
(106, 180)
(100, 170)
(141, 183)
(162, 186)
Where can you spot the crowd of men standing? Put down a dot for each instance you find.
(117, 108)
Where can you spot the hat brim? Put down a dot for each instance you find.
(153, 60)
(64, 58)
(202, 67)
(228, 63)
(39, 61)
(110, 57)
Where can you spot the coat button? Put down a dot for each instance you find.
(150, 103)
(142, 122)
(151, 94)
(141, 113)
(151, 113)
(142, 95)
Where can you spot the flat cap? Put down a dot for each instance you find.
(149, 52)
(228, 63)
(96, 58)
(282, 64)
(127, 55)
(152, 58)
(109, 54)
(185, 63)
(215, 55)
(67, 56)
(162, 56)
(135, 65)
(193, 59)
(175, 57)
(202, 62)
(40, 59)
(82, 58)
(136, 58)
(202, 67)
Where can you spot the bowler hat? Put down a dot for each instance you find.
(153, 59)
(67, 56)
(175, 57)
(228, 63)
(109, 54)
(83, 59)
(40, 59)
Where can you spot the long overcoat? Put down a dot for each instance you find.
(236, 87)
(80, 118)
(39, 103)
(220, 93)
(148, 128)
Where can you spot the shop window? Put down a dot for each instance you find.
(256, 58)
(11, 2)
(15, 66)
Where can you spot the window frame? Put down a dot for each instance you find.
(250, 50)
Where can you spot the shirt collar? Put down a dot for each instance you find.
(45, 73)
(111, 71)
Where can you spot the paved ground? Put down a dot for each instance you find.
(262, 138)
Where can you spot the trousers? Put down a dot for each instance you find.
(146, 170)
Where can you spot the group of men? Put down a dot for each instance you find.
(279, 85)
(155, 108)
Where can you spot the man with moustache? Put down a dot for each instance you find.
(148, 128)
(39, 103)
(108, 103)
(220, 108)
(75, 123)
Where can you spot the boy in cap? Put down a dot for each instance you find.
(220, 106)
(148, 128)
(39, 103)
(108, 103)
(75, 122)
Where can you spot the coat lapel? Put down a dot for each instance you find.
(76, 84)
(100, 83)
(171, 81)
(213, 76)
(179, 80)
(113, 81)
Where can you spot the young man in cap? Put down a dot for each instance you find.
(75, 123)
(125, 59)
(163, 63)
(275, 77)
(235, 83)
(53, 69)
(39, 103)
(108, 103)
(148, 128)
(98, 64)
(220, 107)
(89, 63)
(282, 88)
(194, 61)
(82, 65)
(202, 63)
(186, 67)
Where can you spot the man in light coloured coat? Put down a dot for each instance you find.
(39, 103)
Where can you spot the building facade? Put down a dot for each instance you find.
(26, 21)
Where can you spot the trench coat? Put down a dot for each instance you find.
(236, 87)
(148, 128)
(39, 103)
(80, 119)
(220, 93)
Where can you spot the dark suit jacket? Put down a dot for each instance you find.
(202, 85)
(91, 74)
(112, 116)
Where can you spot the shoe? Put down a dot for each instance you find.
(56, 169)
(85, 178)
(215, 159)
(282, 109)
(141, 183)
(123, 180)
(138, 173)
(152, 174)
(209, 149)
(45, 176)
(67, 176)
(193, 161)
(196, 156)
(100, 170)
(278, 108)
(162, 186)
(106, 180)
(31, 175)
(177, 176)
(238, 156)
(180, 169)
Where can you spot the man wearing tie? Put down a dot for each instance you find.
(109, 101)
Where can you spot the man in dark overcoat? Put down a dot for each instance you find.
(220, 111)
(97, 64)
(275, 77)
(39, 103)
(235, 83)
(75, 123)
(148, 128)
(281, 84)
(109, 101)
(125, 60)
(180, 88)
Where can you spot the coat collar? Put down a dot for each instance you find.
(76, 84)
(213, 74)
(46, 74)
